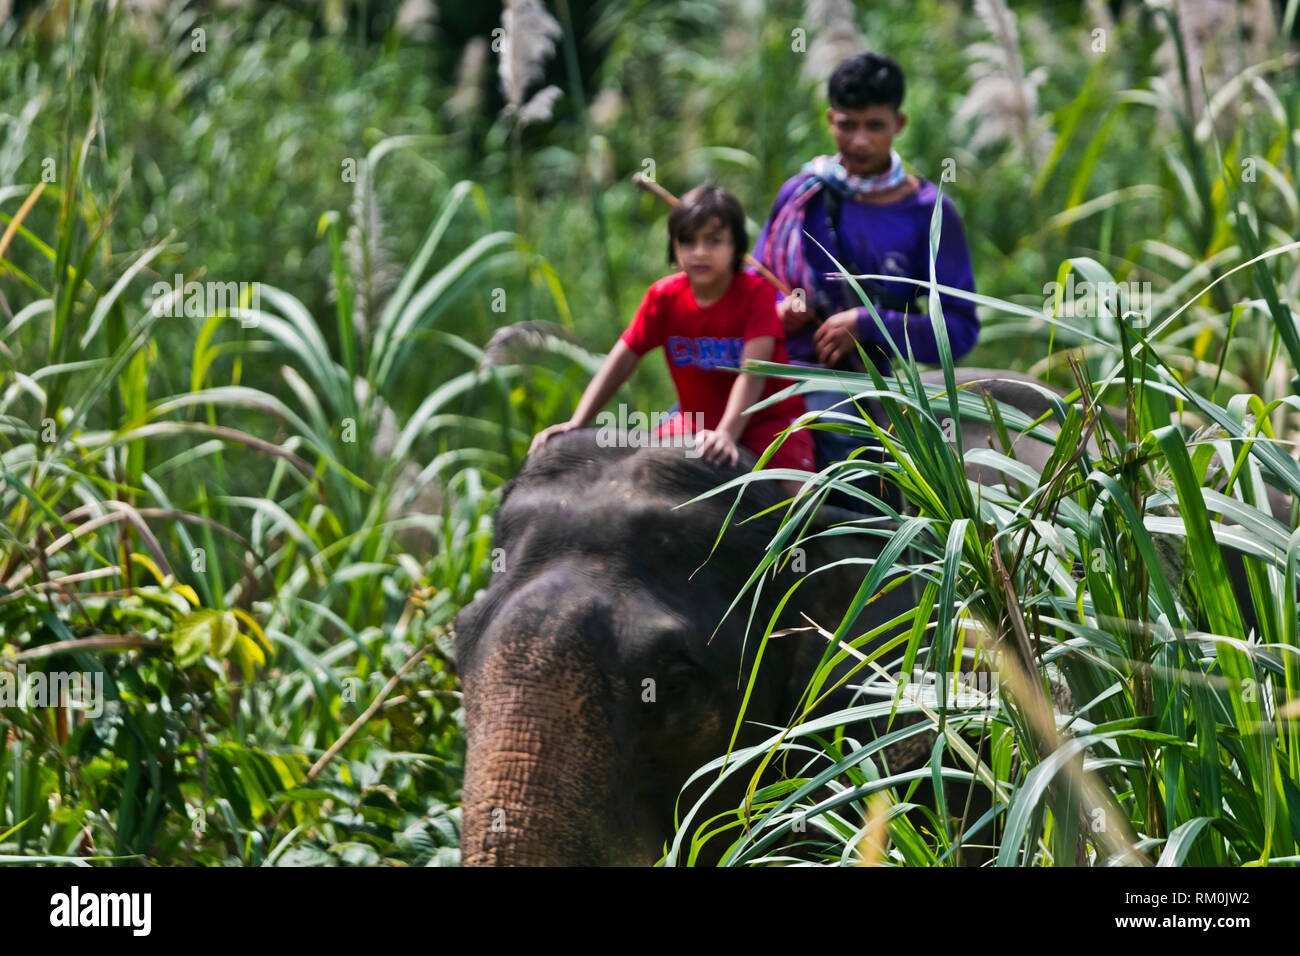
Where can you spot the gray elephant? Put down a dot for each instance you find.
(591, 687)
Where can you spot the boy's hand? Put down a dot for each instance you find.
(836, 337)
(717, 447)
(793, 312)
(542, 436)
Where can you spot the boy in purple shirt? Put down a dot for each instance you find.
(864, 208)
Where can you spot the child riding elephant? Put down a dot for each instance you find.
(710, 319)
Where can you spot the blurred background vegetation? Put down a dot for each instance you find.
(254, 522)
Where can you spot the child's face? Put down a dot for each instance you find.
(864, 137)
(706, 256)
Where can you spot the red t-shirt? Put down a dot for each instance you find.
(700, 344)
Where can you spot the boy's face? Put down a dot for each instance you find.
(706, 256)
(864, 137)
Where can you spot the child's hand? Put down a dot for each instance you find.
(545, 434)
(717, 447)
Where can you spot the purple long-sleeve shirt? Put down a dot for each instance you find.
(889, 239)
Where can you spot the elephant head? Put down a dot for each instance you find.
(592, 688)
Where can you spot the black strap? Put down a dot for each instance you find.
(873, 289)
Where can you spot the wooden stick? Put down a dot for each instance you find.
(642, 181)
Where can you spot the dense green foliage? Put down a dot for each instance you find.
(256, 521)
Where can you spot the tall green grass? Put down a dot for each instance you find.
(246, 526)
(1105, 573)
(341, 497)
(1147, 701)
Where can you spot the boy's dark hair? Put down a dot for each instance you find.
(868, 79)
(695, 210)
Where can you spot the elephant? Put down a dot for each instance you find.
(590, 684)
(593, 681)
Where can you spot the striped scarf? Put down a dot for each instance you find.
(782, 250)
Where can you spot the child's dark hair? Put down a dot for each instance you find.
(695, 210)
(868, 79)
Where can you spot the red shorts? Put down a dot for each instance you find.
(795, 452)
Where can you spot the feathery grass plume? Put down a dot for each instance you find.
(467, 96)
(416, 19)
(538, 108)
(1003, 99)
(528, 41)
(522, 342)
(1220, 37)
(371, 259)
(369, 256)
(529, 38)
(834, 37)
